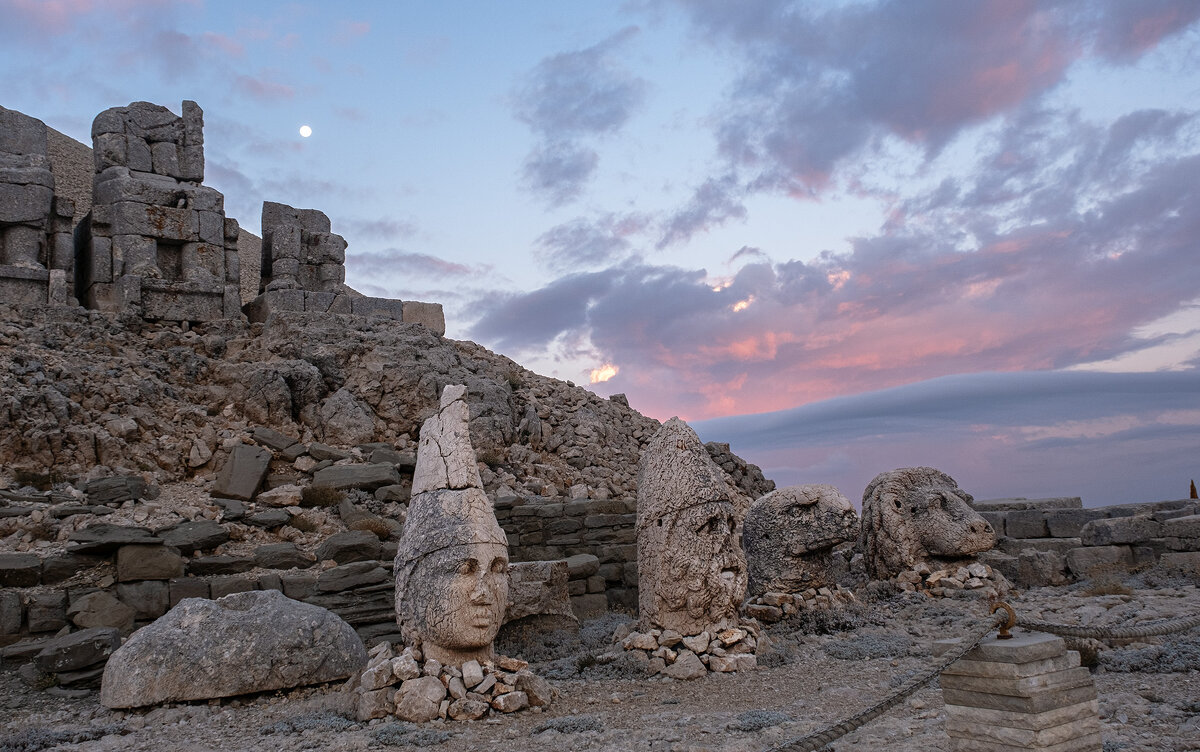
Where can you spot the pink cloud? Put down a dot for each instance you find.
(262, 89)
(348, 31)
(226, 44)
(47, 16)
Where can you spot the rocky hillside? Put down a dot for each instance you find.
(84, 395)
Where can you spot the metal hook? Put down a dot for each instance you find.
(1009, 623)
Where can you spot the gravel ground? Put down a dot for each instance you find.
(815, 672)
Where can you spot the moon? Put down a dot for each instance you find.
(305, 131)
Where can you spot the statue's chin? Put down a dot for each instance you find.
(456, 656)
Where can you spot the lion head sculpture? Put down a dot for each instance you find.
(917, 514)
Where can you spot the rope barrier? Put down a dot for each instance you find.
(1152, 629)
(816, 741)
(1003, 621)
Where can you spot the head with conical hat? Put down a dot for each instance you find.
(452, 562)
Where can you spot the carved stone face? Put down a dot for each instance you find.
(789, 537)
(917, 513)
(464, 591)
(701, 577)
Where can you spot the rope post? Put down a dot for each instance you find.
(1027, 692)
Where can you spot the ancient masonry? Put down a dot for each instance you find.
(156, 240)
(1027, 692)
(36, 250)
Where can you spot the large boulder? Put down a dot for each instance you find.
(918, 514)
(246, 642)
(789, 536)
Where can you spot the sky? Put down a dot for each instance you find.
(843, 236)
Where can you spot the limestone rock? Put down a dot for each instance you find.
(148, 563)
(686, 666)
(539, 589)
(78, 650)
(452, 562)
(691, 567)
(419, 699)
(346, 420)
(789, 536)
(242, 473)
(100, 609)
(246, 642)
(918, 514)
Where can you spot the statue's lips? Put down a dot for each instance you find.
(479, 617)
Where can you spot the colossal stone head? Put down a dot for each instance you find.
(691, 570)
(790, 534)
(452, 561)
(917, 514)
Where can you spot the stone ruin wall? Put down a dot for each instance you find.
(73, 169)
(1054, 541)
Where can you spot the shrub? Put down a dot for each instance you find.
(570, 724)
(39, 737)
(320, 721)
(866, 646)
(408, 735)
(757, 720)
(321, 496)
(382, 530)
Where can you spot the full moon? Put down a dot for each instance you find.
(305, 131)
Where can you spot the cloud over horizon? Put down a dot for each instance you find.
(998, 434)
(1032, 234)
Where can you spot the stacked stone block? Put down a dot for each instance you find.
(598, 536)
(299, 251)
(1053, 541)
(156, 240)
(36, 247)
(303, 269)
(1025, 693)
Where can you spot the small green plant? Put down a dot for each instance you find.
(382, 530)
(491, 456)
(41, 481)
(1107, 579)
(321, 496)
(304, 523)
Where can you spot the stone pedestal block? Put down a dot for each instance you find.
(1025, 693)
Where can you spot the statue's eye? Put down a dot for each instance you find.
(468, 566)
(499, 565)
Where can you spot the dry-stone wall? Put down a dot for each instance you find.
(1054, 541)
(36, 246)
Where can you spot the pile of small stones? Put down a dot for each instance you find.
(972, 580)
(772, 607)
(402, 684)
(673, 655)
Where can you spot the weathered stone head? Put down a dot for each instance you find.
(790, 534)
(452, 562)
(691, 570)
(918, 514)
